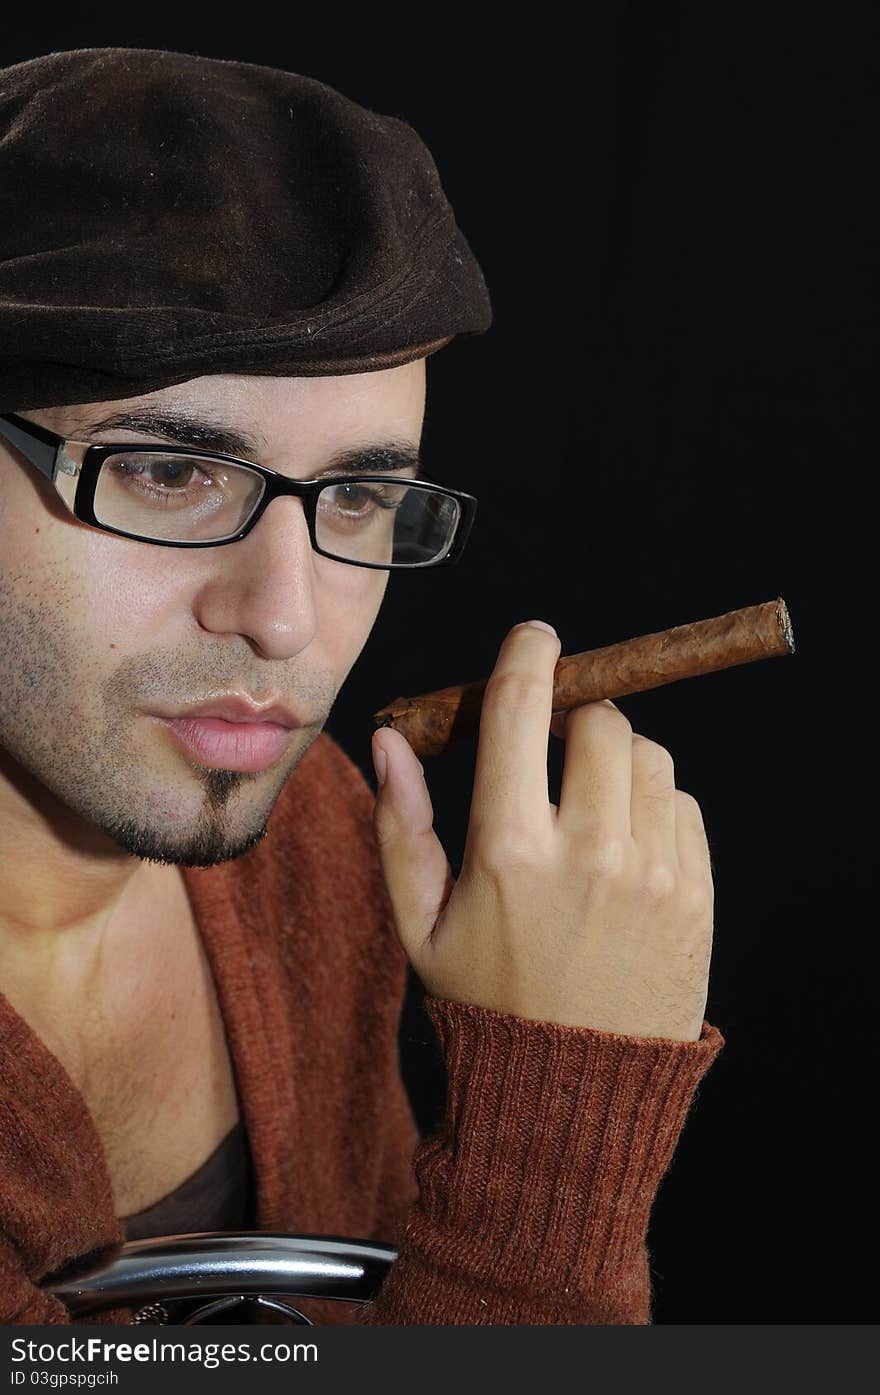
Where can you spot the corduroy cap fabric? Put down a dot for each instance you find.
(165, 216)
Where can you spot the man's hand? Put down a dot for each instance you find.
(597, 913)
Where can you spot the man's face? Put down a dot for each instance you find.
(97, 631)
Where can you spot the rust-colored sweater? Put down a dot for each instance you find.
(529, 1205)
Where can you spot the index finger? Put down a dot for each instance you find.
(510, 777)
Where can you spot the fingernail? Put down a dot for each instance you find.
(542, 625)
(380, 761)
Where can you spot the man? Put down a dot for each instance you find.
(217, 298)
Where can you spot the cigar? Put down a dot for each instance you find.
(433, 722)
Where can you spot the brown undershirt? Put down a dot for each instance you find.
(221, 1195)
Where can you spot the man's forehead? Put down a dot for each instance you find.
(247, 401)
(231, 429)
(207, 409)
(245, 406)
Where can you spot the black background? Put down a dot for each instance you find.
(673, 416)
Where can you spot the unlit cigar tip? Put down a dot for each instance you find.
(785, 624)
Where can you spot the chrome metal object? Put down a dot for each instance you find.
(189, 1279)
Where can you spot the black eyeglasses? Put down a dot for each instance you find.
(179, 496)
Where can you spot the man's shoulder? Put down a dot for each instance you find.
(324, 756)
(318, 864)
(322, 823)
(326, 788)
(322, 819)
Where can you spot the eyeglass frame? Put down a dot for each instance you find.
(47, 451)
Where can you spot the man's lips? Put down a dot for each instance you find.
(238, 709)
(232, 731)
(246, 746)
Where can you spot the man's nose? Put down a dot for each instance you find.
(264, 586)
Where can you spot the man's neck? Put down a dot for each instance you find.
(109, 1005)
(71, 963)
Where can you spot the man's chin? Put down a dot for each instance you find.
(206, 848)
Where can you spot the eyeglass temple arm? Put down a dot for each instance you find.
(40, 446)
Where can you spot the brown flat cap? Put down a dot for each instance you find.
(165, 216)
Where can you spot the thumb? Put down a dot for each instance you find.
(416, 870)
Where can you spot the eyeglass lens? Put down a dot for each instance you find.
(170, 498)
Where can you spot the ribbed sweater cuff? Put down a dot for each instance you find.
(555, 1141)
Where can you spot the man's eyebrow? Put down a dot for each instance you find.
(187, 430)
